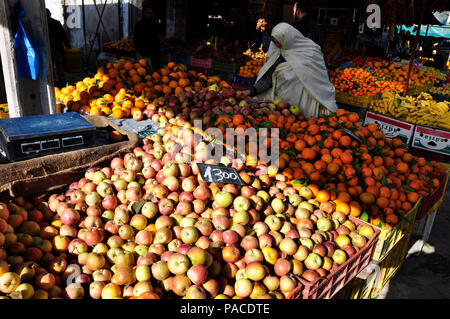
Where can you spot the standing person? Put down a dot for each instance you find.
(295, 72)
(58, 39)
(147, 36)
(304, 22)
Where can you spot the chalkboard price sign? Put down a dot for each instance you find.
(219, 174)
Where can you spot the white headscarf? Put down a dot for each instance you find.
(306, 60)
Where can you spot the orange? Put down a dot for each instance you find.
(382, 202)
(323, 196)
(355, 209)
(413, 197)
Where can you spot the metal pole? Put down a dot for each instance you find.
(413, 53)
(96, 31)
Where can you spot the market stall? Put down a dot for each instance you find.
(220, 195)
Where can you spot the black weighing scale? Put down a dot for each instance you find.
(34, 136)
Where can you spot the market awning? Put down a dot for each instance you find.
(428, 30)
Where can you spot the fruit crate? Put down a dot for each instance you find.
(225, 67)
(370, 286)
(418, 90)
(186, 60)
(360, 101)
(431, 202)
(390, 265)
(390, 237)
(200, 63)
(243, 81)
(330, 286)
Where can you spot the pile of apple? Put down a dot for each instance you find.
(147, 226)
(208, 103)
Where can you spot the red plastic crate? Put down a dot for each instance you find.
(429, 201)
(205, 64)
(330, 286)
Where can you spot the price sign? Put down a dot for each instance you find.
(219, 174)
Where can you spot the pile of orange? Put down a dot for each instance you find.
(379, 176)
(125, 45)
(123, 87)
(383, 76)
(359, 82)
(251, 68)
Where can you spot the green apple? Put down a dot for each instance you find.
(295, 109)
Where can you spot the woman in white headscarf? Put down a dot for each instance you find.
(295, 72)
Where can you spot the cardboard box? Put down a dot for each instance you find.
(392, 128)
(433, 140)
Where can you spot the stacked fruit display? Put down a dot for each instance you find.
(420, 110)
(251, 68)
(370, 76)
(437, 73)
(124, 88)
(374, 176)
(186, 238)
(124, 45)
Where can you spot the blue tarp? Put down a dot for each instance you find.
(433, 30)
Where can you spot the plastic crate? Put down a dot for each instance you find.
(431, 202)
(180, 59)
(360, 101)
(327, 288)
(390, 237)
(380, 273)
(205, 64)
(225, 67)
(243, 81)
(418, 90)
(390, 266)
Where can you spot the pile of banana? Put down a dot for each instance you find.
(423, 110)
(388, 103)
(420, 110)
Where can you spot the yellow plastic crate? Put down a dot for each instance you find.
(391, 265)
(384, 271)
(73, 60)
(390, 237)
(360, 101)
(360, 289)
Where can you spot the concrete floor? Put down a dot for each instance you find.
(426, 276)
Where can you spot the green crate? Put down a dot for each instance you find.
(225, 67)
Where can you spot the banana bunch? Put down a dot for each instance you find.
(420, 110)
(387, 104)
(426, 111)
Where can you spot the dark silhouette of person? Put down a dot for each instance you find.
(304, 22)
(147, 36)
(58, 39)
